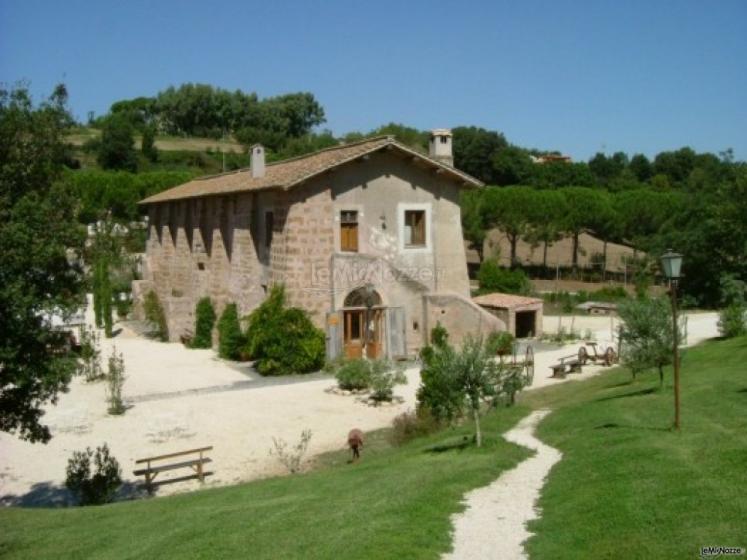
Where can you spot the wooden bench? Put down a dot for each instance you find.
(568, 364)
(196, 464)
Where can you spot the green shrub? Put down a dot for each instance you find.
(354, 375)
(500, 343)
(204, 322)
(732, 321)
(494, 278)
(230, 338)
(283, 339)
(155, 316)
(413, 424)
(90, 355)
(115, 379)
(97, 487)
(439, 335)
(384, 376)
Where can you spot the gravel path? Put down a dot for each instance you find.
(494, 523)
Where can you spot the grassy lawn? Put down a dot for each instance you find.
(627, 486)
(395, 503)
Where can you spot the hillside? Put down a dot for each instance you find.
(558, 254)
(165, 143)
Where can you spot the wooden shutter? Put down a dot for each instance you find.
(334, 335)
(349, 231)
(396, 336)
(415, 222)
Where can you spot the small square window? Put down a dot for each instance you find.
(415, 234)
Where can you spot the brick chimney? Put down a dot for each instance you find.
(439, 147)
(258, 161)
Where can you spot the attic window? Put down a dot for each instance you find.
(444, 140)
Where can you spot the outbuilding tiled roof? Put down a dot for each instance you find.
(504, 300)
(291, 172)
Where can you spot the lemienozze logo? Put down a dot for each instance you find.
(714, 551)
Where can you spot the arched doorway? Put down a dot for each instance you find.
(363, 323)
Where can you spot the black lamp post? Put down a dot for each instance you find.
(672, 263)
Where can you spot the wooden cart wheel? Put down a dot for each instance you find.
(609, 356)
(583, 355)
(529, 365)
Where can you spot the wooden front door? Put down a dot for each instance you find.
(373, 344)
(354, 333)
(359, 337)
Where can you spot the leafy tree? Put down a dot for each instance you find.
(409, 136)
(306, 144)
(605, 222)
(647, 334)
(642, 213)
(545, 220)
(509, 209)
(99, 192)
(474, 228)
(493, 278)
(474, 150)
(148, 144)
(139, 112)
(641, 167)
(559, 174)
(606, 169)
(582, 204)
(512, 166)
(710, 229)
(453, 381)
(676, 165)
(116, 149)
(40, 248)
(204, 321)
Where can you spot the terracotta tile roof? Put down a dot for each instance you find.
(504, 300)
(291, 172)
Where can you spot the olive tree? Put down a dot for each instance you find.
(647, 335)
(455, 382)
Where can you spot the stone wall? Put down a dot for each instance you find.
(197, 248)
(460, 316)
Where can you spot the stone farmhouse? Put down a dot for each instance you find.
(366, 237)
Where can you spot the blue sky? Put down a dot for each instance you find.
(579, 77)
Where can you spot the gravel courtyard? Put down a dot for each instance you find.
(184, 398)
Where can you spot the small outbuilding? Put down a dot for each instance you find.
(522, 315)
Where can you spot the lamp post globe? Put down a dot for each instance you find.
(671, 262)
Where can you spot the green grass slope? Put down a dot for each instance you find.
(627, 486)
(395, 503)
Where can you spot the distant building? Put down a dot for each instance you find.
(551, 158)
